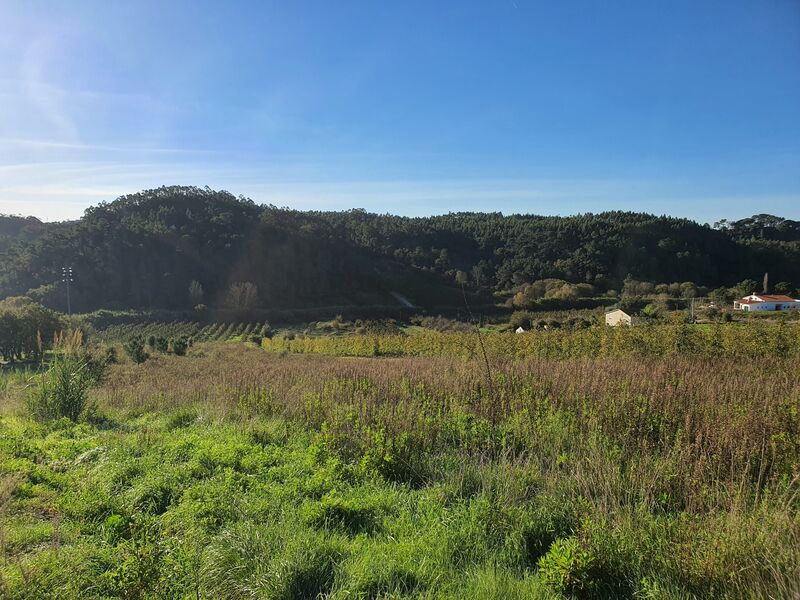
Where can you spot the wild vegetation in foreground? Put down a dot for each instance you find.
(237, 473)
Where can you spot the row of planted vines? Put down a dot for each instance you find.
(742, 340)
(219, 332)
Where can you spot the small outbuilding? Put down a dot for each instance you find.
(619, 317)
(519, 330)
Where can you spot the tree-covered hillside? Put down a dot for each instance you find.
(14, 228)
(178, 247)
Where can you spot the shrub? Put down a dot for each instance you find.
(162, 345)
(94, 365)
(179, 347)
(111, 355)
(551, 520)
(134, 348)
(181, 418)
(521, 318)
(61, 392)
(567, 567)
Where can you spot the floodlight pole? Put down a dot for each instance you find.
(66, 277)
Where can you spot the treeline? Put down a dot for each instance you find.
(14, 229)
(186, 247)
(27, 329)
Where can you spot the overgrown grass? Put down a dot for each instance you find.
(238, 473)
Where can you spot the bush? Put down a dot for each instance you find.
(179, 347)
(162, 345)
(181, 418)
(111, 355)
(94, 365)
(134, 348)
(438, 323)
(567, 567)
(61, 392)
(521, 318)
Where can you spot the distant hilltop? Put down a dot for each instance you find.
(178, 247)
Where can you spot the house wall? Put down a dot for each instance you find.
(617, 318)
(770, 306)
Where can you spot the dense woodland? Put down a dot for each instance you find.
(182, 247)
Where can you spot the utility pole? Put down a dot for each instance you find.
(66, 277)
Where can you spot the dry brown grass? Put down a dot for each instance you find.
(696, 431)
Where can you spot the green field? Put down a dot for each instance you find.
(235, 472)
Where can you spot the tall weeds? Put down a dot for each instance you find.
(62, 390)
(686, 433)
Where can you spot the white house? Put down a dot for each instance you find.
(619, 317)
(762, 302)
(519, 330)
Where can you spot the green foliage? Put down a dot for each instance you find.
(123, 250)
(522, 318)
(162, 345)
(568, 568)
(653, 311)
(262, 561)
(134, 348)
(348, 515)
(61, 391)
(316, 477)
(179, 347)
(26, 328)
(181, 418)
(576, 339)
(175, 506)
(111, 355)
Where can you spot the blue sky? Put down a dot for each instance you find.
(684, 108)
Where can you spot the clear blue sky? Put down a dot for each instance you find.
(685, 108)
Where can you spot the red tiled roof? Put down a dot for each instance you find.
(775, 298)
(767, 298)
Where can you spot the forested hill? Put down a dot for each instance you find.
(14, 229)
(176, 247)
